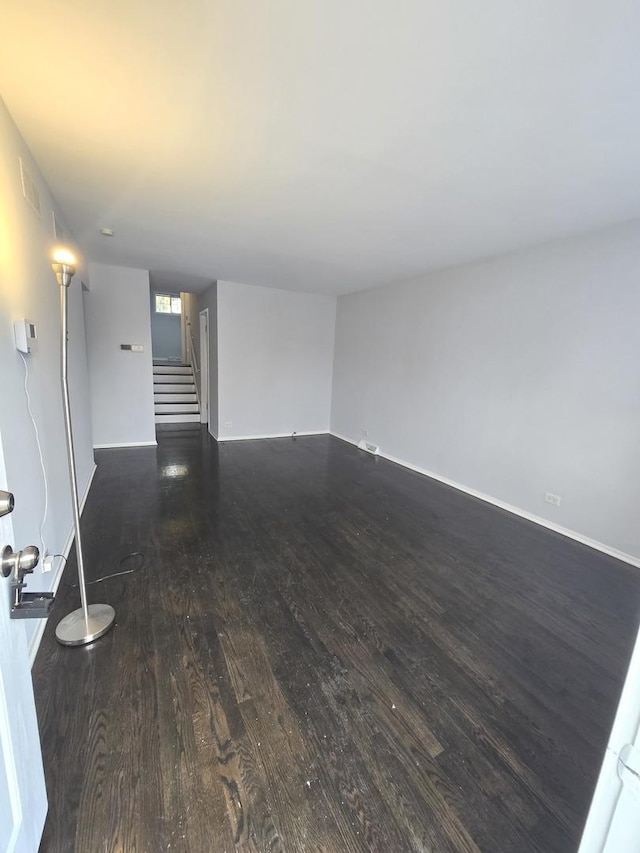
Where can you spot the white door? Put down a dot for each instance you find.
(23, 798)
(204, 366)
(613, 824)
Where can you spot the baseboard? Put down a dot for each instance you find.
(126, 444)
(271, 435)
(343, 437)
(522, 513)
(34, 645)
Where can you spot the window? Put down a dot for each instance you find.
(167, 304)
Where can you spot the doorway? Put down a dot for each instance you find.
(204, 366)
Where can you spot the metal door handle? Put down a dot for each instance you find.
(19, 562)
(6, 503)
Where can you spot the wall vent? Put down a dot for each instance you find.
(368, 446)
(30, 188)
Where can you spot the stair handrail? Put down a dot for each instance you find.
(192, 348)
(194, 364)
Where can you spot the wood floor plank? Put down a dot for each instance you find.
(325, 652)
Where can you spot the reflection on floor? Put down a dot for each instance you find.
(325, 651)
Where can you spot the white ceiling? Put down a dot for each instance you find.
(327, 144)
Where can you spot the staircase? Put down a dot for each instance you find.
(174, 394)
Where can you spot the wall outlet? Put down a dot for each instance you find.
(552, 499)
(47, 563)
(365, 433)
(228, 424)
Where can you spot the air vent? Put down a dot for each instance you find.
(368, 446)
(30, 188)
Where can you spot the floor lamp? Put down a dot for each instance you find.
(90, 621)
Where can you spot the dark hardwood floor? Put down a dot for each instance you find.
(325, 651)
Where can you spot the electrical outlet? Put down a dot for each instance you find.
(47, 563)
(228, 424)
(552, 499)
(365, 433)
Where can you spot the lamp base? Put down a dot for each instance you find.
(74, 630)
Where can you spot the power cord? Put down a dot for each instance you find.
(46, 498)
(44, 472)
(114, 574)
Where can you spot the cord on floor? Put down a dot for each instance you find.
(114, 574)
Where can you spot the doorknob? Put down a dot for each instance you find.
(6, 503)
(24, 605)
(20, 562)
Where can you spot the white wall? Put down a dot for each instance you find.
(117, 312)
(275, 354)
(209, 300)
(513, 377)
(28, 289)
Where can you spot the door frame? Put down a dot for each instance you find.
(183, 329)
(204, 366)
(614, 817)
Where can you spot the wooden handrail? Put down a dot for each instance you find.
(192, 347)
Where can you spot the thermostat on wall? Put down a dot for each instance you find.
(25, 334)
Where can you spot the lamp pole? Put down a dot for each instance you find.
(90, 621)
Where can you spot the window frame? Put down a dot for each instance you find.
(173, 298)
